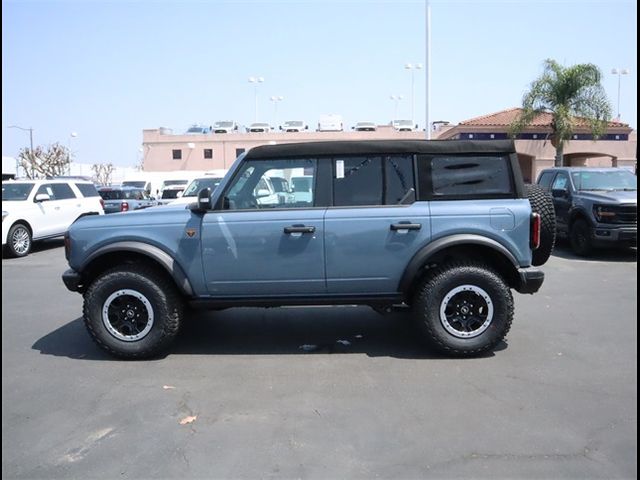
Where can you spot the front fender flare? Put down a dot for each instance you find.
(155, 253)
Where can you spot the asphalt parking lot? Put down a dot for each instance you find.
(325, 392)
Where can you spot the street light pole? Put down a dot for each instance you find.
(275, 99)
(413, 68)
(619, 72)
(256, 81)
(71, 135)
(396, 99)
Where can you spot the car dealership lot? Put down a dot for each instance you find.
(325, 392)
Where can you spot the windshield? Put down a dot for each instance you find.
(196, 130)
(260, 125)
(402, 122)
(134, 183)
(16, 191)
(224, 124)
(605, 180)
(200, 183)
(174, 182)
(293, 123)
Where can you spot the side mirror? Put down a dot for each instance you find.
(280, 127)
(204, 200)
(416, 126)
(306, 127)
(42, 197)
(262, 193)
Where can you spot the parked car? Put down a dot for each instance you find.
(595, 207)
(330, 123)
(404, 125)
(170, 190)
(259, 127)
(190, 194)
(225, 126)
(364, 127)
(443, 230)
(303, 188)
(294, 126)
(124, 199)
(37, 209)
(273, 191)
(198, 130)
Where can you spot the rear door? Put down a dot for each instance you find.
(375, 226)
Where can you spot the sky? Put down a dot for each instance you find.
(106, 70)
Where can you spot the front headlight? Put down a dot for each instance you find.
(4, 214)
(604, 213)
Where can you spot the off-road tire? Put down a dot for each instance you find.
(159, 292)
(579, 237)
(19, 240)
(434, 289)
(542, 204)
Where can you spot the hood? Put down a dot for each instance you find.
(13, 205)
(161, 215)
(617, 197)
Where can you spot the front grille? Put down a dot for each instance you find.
(626, 214)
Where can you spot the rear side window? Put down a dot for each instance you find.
(357, 181)
(399, 181)
(62, 191)
(87, 189)
(465, 177)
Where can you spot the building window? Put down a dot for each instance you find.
(471, 135)
(535, 136)
(177, 154)
(492, 136)
(239, 151)
(208, 153)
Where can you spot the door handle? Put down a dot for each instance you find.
(299, 229)
(405, 226)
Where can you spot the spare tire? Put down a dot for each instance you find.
(542, 204)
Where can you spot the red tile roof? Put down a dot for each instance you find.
(504, 118)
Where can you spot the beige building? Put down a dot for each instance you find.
(618, 147)
(164, 151)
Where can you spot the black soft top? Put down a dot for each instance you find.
(363, 147)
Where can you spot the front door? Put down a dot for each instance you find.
(255, 247)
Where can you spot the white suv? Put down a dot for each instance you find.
(39, 209)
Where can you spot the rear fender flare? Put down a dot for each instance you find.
(424, 254)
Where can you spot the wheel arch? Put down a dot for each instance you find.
(455, 247)
(579, 214)
(135, 252)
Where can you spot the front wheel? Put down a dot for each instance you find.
(580, 238)
(132, 311)
(463, 309)
(19, 240)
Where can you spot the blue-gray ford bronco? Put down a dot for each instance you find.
(442, 229)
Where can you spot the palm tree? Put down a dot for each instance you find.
(569, 94)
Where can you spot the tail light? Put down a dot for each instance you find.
(67, 245)
(124, 207)
(535, 230)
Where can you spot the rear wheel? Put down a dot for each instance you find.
(580, 238)
(463, 309)
(19, 240)
(133, 311)
(542, 204)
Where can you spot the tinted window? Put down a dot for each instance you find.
(357, 181)
(111, 194)
(545, 179)
(62, 191)
(464, 176)
(399, 183)
(46, 188)
(16, 191)
(87, 189)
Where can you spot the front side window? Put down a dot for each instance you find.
(266, 184)
(561, 183)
